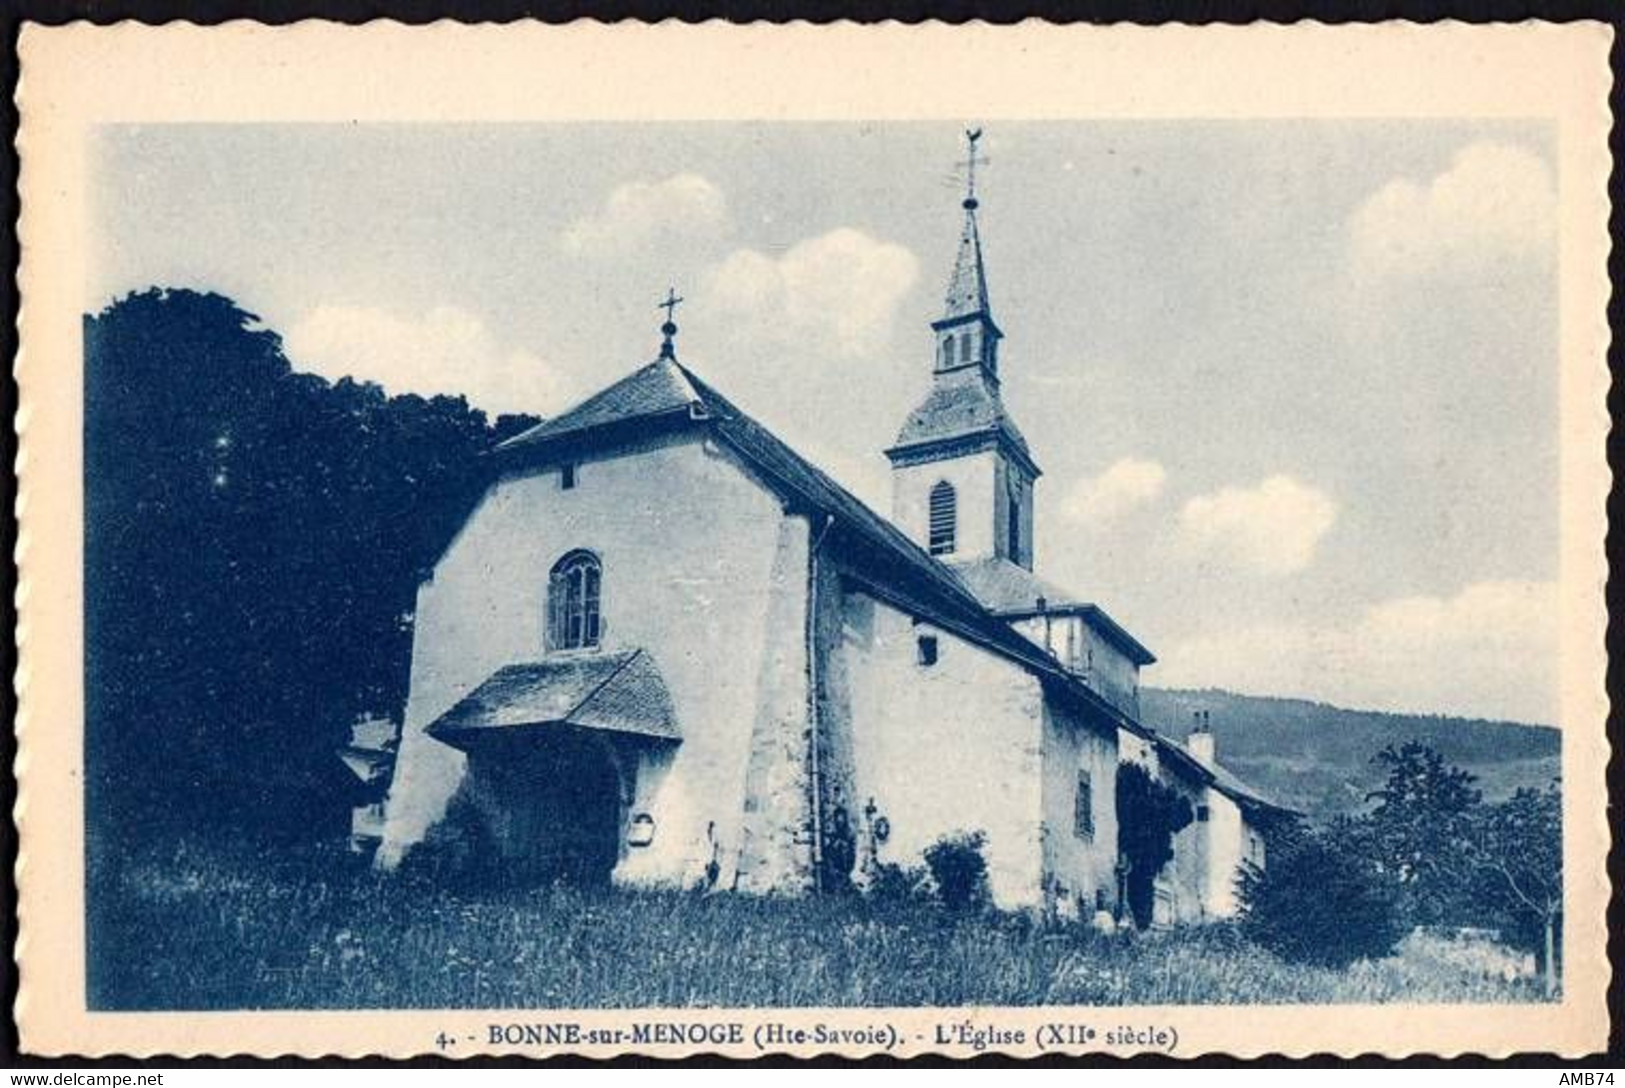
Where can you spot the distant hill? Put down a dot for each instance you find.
(1317, 758)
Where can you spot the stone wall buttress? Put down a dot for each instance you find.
(776, 841)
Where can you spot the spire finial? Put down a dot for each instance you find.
(967, 290)
(668, 349)
(972, 161)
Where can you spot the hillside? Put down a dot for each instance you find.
(1317, 758)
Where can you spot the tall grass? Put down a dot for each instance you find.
(197, 930)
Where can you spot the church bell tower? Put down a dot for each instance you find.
(962, 478)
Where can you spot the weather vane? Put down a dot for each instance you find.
(669, 329)
(972, 161)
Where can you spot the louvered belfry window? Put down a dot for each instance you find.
(573, 591)
(944, 518)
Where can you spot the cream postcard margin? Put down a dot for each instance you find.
(75, 78)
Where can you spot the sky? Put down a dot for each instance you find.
(1292, 384)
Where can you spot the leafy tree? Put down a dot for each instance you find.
(1318, 901)
(1420, 832)
(1149, 815)
(1517, 853)
(254, 538)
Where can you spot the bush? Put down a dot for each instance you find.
(959, 870)
(1317, 903)
(895, 885)
(457, 852)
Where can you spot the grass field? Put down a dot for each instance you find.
(195, 930)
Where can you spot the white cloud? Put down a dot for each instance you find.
(1489, 651)
(1273, 528)
(443, 350)
(1126, 484)
(637, 212)
(1494, 206)
(840, 288)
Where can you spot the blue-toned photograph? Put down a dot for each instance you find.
(809, 565)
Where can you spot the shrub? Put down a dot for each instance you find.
(959, 870)
(894, 885)
(1317, 903)
(457, 852)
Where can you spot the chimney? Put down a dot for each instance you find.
(1200, 742)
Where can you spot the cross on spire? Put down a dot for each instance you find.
(668, 349)
(969, 165)
(670, 304)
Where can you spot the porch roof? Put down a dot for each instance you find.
(615, 692)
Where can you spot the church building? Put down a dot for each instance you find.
(666, 650)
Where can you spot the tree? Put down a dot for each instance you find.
(1518, 854)
(1420, 831)
(1318, 901)
(1454, 860)
(1149, 815)
(254, 538)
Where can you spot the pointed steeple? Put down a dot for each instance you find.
(962, 475)
(967, 289)
(966, 333)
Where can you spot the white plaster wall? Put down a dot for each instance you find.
(1113, 674)
(687, 540)
(974, 478)
(1226, 846)
(1056, 634)
(1133, 748)
(1077, 867)
(1186, 875)
(1082, 650)
(956, 746)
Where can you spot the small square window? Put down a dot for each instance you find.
(926, 650)
(567, 477)
(1201, 814)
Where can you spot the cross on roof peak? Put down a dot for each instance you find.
(668, 349)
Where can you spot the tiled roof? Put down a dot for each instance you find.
(960, 403)
(369, 765)
(1013, 591)
(1217, 777)
(616, 692)
(1007, 587)
(967, 287)
(655, 389)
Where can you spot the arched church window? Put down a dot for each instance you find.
(964, 347)
(573, 591)
(944, 518)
